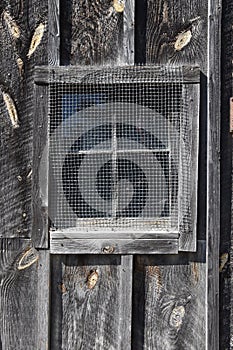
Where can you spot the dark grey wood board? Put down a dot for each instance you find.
(176, 32)
(18, 297)
(92, 32)
(226, 281)
(213, 171)
(19, 21)
(169, 301)
(23, 37)
(40, 219)
(91, 303)
(166, 20)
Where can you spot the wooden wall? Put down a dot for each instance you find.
(168, 293)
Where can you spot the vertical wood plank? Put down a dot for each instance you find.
(189, 170)
(176, 32)
(18, 297)
(43, 300)
(40, 220)
(226, 287)
(126, 290)
(89, 307)
(16, 71)
(54, 32)
(40, 169)
(169, 299)
(128, 35)
(213, 172)
(92, 32)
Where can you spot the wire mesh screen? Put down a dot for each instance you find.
(115, 149)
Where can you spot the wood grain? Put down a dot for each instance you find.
(128, 32)
(165, 21)
(43, 300)
(40, 220)
(189, 170)
(120, 246)
(54, 32)
(168, 303)
(213, 172)
(94, 75)
(18, 297)
(92, 32)
(226, 280)
(89, 318)
(16, 147)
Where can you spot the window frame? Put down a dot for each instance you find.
(124, 242)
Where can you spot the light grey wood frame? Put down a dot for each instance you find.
(130, 242)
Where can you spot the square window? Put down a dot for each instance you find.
(123, 150)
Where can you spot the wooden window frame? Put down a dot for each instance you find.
(57, 240)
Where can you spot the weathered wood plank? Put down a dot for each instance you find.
(169, 301)
(121, 246)
(18, 295)
(189, 170)
(125, 307)
(88, 302)
(176, 32)
(16, 69)
(43, 300)
(213, 172)
(226, 280)
(40, 169)
(92, 32)
(73, 233)
(54, 32)
(128, 32)
(126, 74)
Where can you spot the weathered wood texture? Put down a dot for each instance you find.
(169, 301)
(189, 160)
(40, 220)
(213, 171)
(95, 74)
(159, 25)
(176, 32)
(91, 304)
(43, 300)
(226, 252)
(23, 37)
(18, 296)
(19, 21)
(120, 246)
(54, 32)
(168, 290)
(92, 32)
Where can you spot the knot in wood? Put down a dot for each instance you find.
(29, 257)
(182, 40)
(176, 317)
(119, 5)
(108, 249)
(92, 279)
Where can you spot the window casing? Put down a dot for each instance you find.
(122, 153)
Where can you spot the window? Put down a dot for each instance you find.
(122, 148)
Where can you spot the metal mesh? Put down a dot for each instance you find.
(114, 148)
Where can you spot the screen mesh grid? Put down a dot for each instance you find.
(115, 157)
